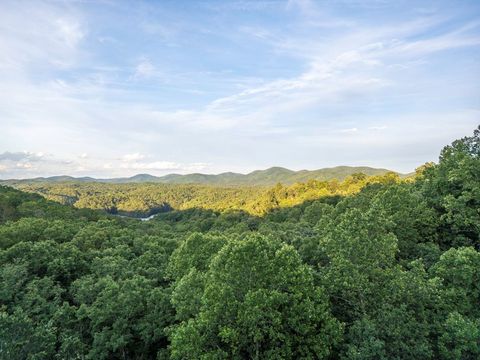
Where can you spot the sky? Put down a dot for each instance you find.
(117, 88)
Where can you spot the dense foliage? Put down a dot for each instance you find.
(377, 269)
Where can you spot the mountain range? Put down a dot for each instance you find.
(269, 176)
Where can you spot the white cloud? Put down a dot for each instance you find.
(350, 130)
(41, 32)
(144, 69)
(21, 156)
(23, 165)
(133, 157)
(70, 33)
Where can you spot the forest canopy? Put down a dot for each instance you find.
(372, 267)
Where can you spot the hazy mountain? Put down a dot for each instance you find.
(269, 176)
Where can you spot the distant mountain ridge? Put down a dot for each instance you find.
(268, 176)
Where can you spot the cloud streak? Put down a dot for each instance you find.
(234, 93)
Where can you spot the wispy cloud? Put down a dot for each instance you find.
(144, 69)
(227, 84)
(133, 157)
(21, 156)
(48, 34)
(381, 127)
(350, 130)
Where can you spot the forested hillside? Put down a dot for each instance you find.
(368, 268)
(265, 177)
(146, 199)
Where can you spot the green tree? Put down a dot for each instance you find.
(259, 302)
(355, 249)
(459, 270)
(460, 339)
(453, 188)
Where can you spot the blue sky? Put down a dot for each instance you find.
(112, 88)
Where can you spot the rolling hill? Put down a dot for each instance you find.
(269, 176)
